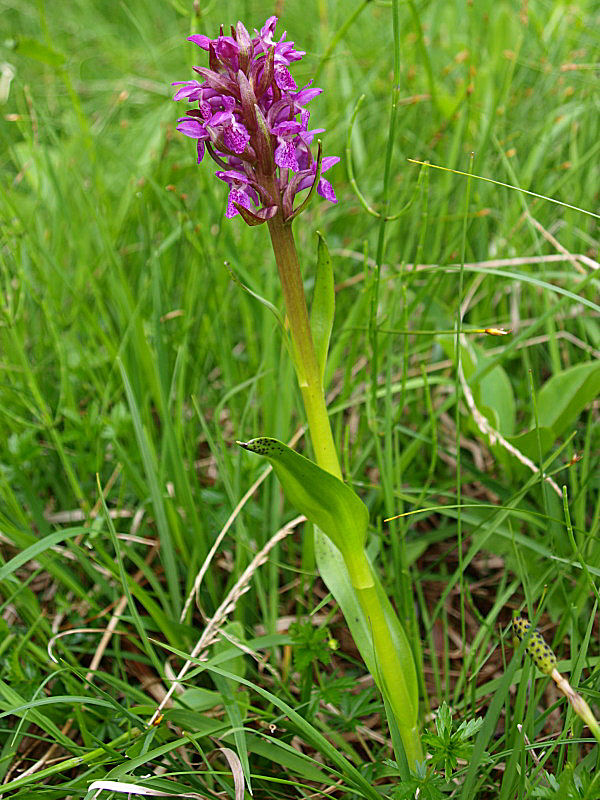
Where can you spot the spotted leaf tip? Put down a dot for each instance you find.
(537, 649)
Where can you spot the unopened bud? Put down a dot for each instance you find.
(496, 332)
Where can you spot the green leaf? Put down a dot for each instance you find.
(354, 777)
(236, 712)
(323, 305)
(38, 548)
(32, 48)
(337, 579)
(566, 394)
(236, 703)
(310, 645)
(263, 300)
(443, 721)
(236, 664)
(199, 699)
(497, 394)
(560, 401)
(304, 728)
(13, 704)
(469, 727)
(527, 443)
(323, 499)
(493, 394)
(280, 753)
(195, 722)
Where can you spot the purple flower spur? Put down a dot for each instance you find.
(252, 120)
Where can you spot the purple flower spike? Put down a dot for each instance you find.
(252, 120)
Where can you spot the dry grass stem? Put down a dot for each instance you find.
(211, 631)
(572, 259)
(495, 437)
(497, 263)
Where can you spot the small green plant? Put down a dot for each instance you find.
(448, 746)
(311, 645)
(423, 782)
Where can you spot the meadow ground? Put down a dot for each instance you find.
(131, 362)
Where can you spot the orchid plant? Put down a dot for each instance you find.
(251, 118)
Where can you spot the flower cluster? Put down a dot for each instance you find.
(252, 121)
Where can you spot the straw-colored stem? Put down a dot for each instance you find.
(578, 704)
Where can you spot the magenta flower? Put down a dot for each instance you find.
(252, 121)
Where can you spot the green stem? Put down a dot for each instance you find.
(388, 662)
(305, 359)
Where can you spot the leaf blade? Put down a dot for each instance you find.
(323, 499)
(323, 305)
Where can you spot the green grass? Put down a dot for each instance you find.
(130, 363)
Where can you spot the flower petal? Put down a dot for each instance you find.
(227, 50)
(239, 196)
(306, 94)
(201, 41)
(192, 90)
(285, 156)
(325, 189)
(283, 78)
(328, 162)
(236, 137)
(192, 127)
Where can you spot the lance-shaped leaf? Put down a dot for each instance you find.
(236, 703)
(266, 303)
(334, 573)
(323, 499)
(323, 304)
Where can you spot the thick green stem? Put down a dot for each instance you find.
(390, 677)
(388, 663)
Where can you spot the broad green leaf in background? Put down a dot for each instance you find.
(560, 401)
(497, 395)
(198, 723)
(323, 304)
(564, 396)
(527, 443)
(199, 699)
(324, 499)
(493, 394)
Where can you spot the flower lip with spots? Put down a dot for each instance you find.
(251, 118)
